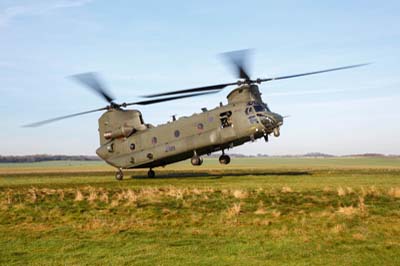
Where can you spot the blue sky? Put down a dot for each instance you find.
(143, 47)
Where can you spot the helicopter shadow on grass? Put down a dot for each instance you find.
(221, 175)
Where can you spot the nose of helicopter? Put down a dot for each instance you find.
(278, 118)
(272, 122)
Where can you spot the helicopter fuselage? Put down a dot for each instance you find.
(133, 144)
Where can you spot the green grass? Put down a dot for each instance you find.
(273, 211)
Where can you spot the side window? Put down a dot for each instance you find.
(225, 118)
(249, 110)
(259, 108)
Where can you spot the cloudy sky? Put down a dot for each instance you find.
(143, 47)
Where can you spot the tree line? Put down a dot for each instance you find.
(45, 157)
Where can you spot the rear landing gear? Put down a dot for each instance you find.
(119, 175)
(224, 159)
(151, 173)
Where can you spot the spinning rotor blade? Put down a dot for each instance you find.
(219, 87)
(238, 59)
(91, 80)
(146, 102)
(311, 73)
(117, 106)
(40, 123)
(206, 88)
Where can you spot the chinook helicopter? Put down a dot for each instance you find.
(127, 142)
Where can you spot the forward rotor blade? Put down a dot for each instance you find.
(238, 59)
(146, 102)
(312, 73)
(40, 123)
(91, 80)
(198, 89)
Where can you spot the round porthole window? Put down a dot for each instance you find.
(154, 140)
(177, 133)
(132, 146)
(200, 126)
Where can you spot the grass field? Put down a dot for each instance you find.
(269, 211)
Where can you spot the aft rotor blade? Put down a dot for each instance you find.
(40, 123)
(312, 73)
(146, 102)
(198, 89)
(239, 59)
(92, 81)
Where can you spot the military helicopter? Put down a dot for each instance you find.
(127, 142)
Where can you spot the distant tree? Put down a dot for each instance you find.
(45, 157)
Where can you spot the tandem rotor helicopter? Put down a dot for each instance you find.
(126, 141)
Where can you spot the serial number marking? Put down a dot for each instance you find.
(169, 148)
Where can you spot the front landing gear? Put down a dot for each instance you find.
(277, 132)
(151, 173)
(119, 175)
(196, 160)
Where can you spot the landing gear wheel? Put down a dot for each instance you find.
(119, 175)
(151, 173)
(224, 159)
(196, 160)
(277, 132)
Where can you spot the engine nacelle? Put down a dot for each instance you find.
(123, 131)
(117, 123)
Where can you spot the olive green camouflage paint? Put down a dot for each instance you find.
(126, 142)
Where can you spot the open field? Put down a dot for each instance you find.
(264, 211)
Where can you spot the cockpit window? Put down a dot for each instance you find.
(259, 108)
(249, 110)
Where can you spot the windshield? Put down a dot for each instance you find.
(259, 108)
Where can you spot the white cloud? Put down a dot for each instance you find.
(306, 92)
(352, 103)
(6, 64)
(70, 3)
(37, 9)
(11, 12)
(328, 91)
